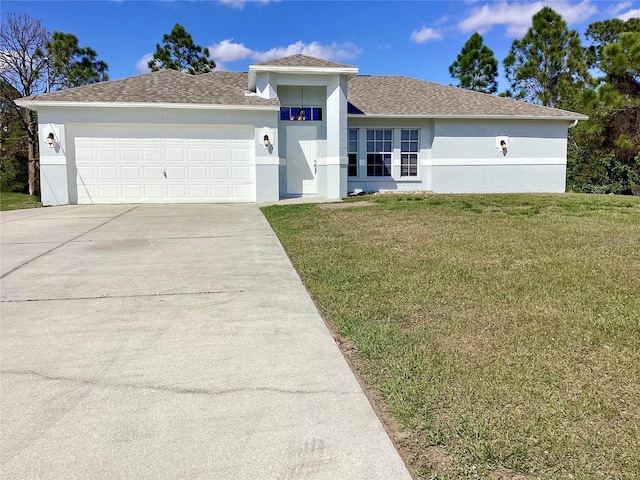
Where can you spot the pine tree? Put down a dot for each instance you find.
(178, 52)
(476, 68)
(71, 65)
(548, 65)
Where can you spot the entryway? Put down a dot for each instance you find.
(302, 166)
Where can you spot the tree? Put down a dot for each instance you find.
(607, 32)
(476, 68)
(604, 153)
(71, 65)
(14, 176)
(548, 65)
(178, 52)
(22, 74)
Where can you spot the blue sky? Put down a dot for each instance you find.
(413, 38)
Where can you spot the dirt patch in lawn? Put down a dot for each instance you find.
(333, 206)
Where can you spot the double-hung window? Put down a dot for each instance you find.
(379, 149)
(409, 153)
(353, 152)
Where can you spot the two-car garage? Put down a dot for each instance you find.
(161, 164)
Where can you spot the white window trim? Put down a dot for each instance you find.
(359, 149)
(396, 155)
(417, 153)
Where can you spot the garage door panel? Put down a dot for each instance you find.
(175, 173)
(240, 156)
(219, 155)
(199, 191)
(241, 173)
(108, 191)
(136, 163)
(87, 173)
(128, 154)
(219, 173)
(107, 173)
(197, 173)
(153, 173)
(175, 154)
(153, 191)
(131, 173)
(84, 154)
(131, 191)
(197, 155)
(220, 191)
(240, 191)
(106, 154)
(176, 191)
(152, 154)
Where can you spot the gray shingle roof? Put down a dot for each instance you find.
(300, 60)
(367, 95)
(167, 86)
(403, 96)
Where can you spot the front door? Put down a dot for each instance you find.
(302, 164)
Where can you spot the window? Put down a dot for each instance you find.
(353, 152)
(409, 153)
(379, 148)
(305, 114)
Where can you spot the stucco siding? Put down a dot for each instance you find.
(474, 139)
(54, 185)
(498, 179)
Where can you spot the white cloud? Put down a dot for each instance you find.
(334, 51)
(239, 4)
(227, 51)
(618, 7)
(425, 35)
(516, 16)
(630, 14)
(142, 64)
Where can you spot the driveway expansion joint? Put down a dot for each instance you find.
(6, 274)
(169, 389)
(140, 295)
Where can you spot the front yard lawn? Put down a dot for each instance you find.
(16, 201)
(501, 332)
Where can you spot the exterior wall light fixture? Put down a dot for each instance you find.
(267, 142)
(51, 139)
(503, 145)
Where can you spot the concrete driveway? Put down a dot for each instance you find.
(171, 341)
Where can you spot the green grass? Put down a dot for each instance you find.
(504, 328)
(16, 201)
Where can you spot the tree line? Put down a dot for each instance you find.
(550, 66)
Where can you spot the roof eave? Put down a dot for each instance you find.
(255, 69)
(473, 117)
(35, 104)
(314, 70)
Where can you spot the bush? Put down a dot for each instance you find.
(605, 175)
(14, 176)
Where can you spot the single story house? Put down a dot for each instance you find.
(294, 126)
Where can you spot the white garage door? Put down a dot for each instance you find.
(164, 164)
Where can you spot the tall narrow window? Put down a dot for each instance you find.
(409, 147)
(379, 148)
(353, 152)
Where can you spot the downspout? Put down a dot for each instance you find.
(575, 122)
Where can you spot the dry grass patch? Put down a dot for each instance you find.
(504, 329)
